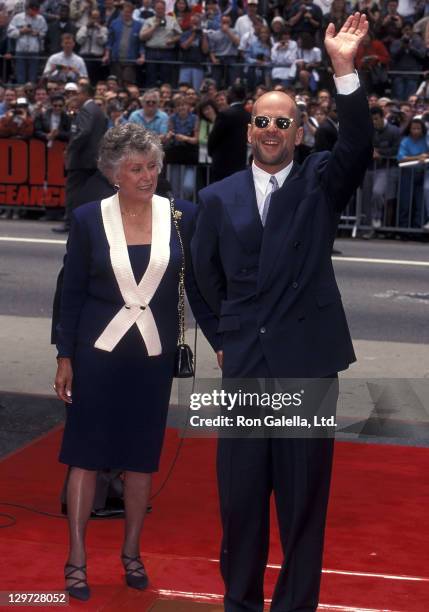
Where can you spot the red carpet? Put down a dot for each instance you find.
(377, 544)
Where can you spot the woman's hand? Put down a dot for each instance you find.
(219, 355)
(63, 379)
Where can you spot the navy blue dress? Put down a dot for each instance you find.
(120, 398)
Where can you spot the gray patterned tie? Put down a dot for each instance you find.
(274, 186)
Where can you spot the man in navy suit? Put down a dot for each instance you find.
(262, 259)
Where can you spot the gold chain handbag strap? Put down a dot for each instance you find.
(181, 307)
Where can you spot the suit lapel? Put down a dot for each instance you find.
(277, 232)
(244, 214)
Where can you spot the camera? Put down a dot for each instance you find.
(394, 119)
(162, 23)
(405, 40)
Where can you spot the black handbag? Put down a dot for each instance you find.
(184, 359)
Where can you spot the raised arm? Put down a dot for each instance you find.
(342, 47)
(346, 166)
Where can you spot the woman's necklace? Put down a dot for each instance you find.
(128, 213)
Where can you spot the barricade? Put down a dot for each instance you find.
(393, 198)
(31, 174)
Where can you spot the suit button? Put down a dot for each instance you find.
(262, 330)
(296, 244)
(295, 285)
(142, 307)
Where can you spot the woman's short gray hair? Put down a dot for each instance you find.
(122, 141)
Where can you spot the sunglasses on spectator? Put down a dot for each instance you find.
(262, 122)
(57, 105)
(151, 102)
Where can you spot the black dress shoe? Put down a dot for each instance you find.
(61, 230)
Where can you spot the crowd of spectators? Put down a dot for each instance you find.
(168, 65)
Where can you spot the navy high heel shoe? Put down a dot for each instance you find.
(78, 592)
(135, 578)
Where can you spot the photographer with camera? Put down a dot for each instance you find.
(305, 17)
(28, 31)
(80, 11)
(194, 48)
(223, 47)
(66, 65)
(56, 28)
(372, 60)
(92, 39)
(408, 55)
(284, 55)
(54, 123)
(160, 34)
(17, 122)
(143, 11)
(258, 55)
(391, 25)
(245, 24)
(309, 60)
(110, 10)
(123, 49)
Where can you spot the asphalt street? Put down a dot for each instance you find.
(385, 290)
(383, 301)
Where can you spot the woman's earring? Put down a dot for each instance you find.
(117, 187)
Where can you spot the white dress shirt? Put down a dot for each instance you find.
(261, 180)
(345, 85)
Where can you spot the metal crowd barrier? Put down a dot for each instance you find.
(392, 199)
(208, 66)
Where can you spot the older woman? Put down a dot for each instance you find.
(117, 339)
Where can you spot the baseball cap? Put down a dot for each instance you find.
(71, 87)
(252, 1)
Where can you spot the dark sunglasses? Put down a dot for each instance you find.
(262, 122)
(150, 102)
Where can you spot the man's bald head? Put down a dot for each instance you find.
(272, 146)
(283, 98)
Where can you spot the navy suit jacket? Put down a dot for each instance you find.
(91, 296)
(274, 288)
(86, 132)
